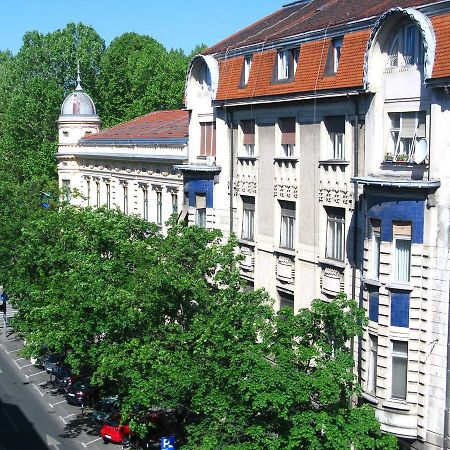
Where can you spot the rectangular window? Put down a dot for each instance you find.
(399, 369)
(174, 202)
(248, 137)
(374, 305)
(375, 251)
(65, 187)
(402, 251)
(406, 130)
(246, 70)
(400, 309)
(207, 139)
(287, 226)
(287, 62)
(145, 203)
(335, 234)
(159, 207)
(200, 210)
(88, 191)
(248, 218)
(108, 194)
(286, 300)
(287, 128)
(336, 137)
(97, 185)
(334, 55)
(125, 198)
(372, 367)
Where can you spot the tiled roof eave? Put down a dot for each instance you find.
(341, 92)
(102, 142)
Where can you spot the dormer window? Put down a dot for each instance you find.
(406, 48)
(246, 70)
(286, 64)
(334, 55)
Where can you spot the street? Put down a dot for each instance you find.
(33, 416)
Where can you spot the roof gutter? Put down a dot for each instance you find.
(98, 142)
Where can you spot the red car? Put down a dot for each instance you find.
(113, 431)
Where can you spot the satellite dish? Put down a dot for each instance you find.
(421, 151)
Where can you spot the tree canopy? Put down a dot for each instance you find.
(166, 321)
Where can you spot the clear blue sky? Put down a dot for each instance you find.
(174, 23)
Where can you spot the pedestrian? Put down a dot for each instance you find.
(4, 298)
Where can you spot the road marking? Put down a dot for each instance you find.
(12, 351)
(41, 393)
(87, 443)
(65, 417)
(20, 359)
(33, 374)
(62, 418)
(27, 365)
(10, 420)
(57, 403)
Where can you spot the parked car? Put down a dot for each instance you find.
(52, 361)
(113, 431)
(81, 393)
(106, 408)
(64, 377)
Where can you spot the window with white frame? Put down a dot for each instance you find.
(247, 65)
(287, 129)
(145, 202)
(399, 370)
(335, 127)
(406, 129)
(248, 137)
(97, 188)
(334, 56)
(88, 191)
(335, 233)
(125, 197)
(108, 193)
(402, 251)
(375, 225)
(372, 367)
(159, 207)
(287, 225)
(287, 62)
(200, 210)
(65, 188)
(174, 196)
(207, 139)
(248, 217)
(406, 48)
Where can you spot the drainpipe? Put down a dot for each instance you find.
(355, 221)
(229, 120)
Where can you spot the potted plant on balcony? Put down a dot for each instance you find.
(388, 158)
(402, 158)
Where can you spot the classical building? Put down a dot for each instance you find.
(319, 136)
(130, 166)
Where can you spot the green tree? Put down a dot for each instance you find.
(166, 321)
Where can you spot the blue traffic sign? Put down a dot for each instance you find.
(168, 443)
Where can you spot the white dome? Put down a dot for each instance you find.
(78, 103)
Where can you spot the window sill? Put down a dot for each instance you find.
(371, 282)
(399, 287)
(396, 404)
(247, 158)
(370, 398)
(285, 158)
(332, 262)
(246, 242)
(283, 80)
(333, 162)
(285, 251)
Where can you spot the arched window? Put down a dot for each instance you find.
(406, 48)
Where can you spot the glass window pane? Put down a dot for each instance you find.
(402, 260)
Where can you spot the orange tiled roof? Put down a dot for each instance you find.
(308, 16)
(310, 70)
(159, 125)
(441, 25)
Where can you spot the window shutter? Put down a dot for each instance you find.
(421, 126)
(408, 125)
(287, 208)
(248, 202)
(287, 126)
(402, 229)
(200, 201)
(376, 226)
(248, 129)
(335, 124)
